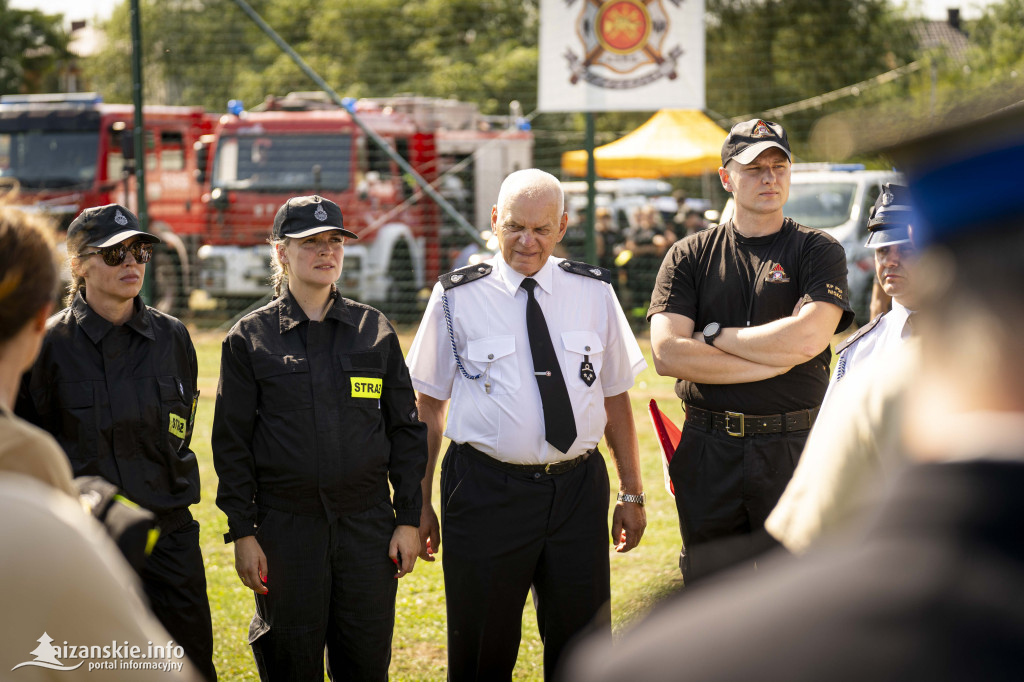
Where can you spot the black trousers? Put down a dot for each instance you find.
(725, 489)
(174, 580)
(506, 534)
(330, 585)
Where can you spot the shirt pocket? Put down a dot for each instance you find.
(494, 358)
(284, 382)
(362, 378)
(175, 409)
(584, 355)
(79, 419)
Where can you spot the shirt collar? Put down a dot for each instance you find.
(512, 279)
(96, 326)
(292, 314)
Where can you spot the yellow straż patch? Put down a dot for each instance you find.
(177, 426)
(366, 387)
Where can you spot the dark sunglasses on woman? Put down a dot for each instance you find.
(115, 255)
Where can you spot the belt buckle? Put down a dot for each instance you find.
(547, 467)
(730, 432)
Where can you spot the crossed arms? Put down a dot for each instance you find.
(742, 354)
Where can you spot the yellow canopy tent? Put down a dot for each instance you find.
(672, 142)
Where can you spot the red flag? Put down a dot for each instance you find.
(668, 438)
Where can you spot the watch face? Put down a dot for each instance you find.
(712, 329)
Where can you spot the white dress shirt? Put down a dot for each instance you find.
(886, 336)
(500, 413)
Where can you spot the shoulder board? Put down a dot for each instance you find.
(863, 331)
(580, 268)
(465, 275)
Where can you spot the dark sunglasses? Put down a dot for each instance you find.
(115, 255)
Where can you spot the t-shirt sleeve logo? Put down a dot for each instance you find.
(835, 290)
(367, 387)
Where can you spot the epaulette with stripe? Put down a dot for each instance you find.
(852, 338)
(587, 270)
(464, 275)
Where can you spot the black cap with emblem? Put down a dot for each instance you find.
(305, 216)
(103, 226)
(890, 218)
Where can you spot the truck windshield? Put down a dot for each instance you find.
(41, 159)
(820, 204)
(283, 163)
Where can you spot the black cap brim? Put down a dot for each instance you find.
(888, 235)
(309, 232)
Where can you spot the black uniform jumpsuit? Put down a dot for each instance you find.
(121, 402)
(312, 421)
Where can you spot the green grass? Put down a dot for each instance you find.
(639, 578)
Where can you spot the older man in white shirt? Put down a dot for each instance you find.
(536, 358)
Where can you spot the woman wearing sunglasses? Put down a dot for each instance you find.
(115, 383)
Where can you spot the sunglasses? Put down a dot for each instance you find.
(115, 255)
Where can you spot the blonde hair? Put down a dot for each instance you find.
(278, 270)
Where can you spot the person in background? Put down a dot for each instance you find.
(315, 417)
(115, 384)
(841, 462)
(536, 359)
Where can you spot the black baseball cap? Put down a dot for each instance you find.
(103, 226)
(305, 216)
(890, 218)
(748, 139)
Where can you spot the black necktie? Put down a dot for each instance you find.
(559, 423)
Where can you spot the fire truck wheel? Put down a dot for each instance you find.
(402, 305)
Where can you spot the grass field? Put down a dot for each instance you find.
(639, 578)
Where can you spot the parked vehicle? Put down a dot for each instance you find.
(214, 182)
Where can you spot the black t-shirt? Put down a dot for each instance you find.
(707, 277)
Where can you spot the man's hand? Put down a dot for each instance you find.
(628, 523)
(405, 545)
(251, 564)
(430, 533)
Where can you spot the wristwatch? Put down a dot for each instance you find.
(640, 499)
(711, 331)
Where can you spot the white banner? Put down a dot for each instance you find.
(621, 55)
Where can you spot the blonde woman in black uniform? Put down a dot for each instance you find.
(315, 416)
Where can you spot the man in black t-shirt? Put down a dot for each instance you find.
(742, 315)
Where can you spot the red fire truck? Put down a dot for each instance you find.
(214, 183)
(67, 152)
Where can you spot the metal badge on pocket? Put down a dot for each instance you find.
(587, 371)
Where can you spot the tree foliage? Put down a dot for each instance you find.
(33, 45)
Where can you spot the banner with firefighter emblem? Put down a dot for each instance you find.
(621, 55)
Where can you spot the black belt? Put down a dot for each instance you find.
(174, 521)
(739, 425)
(551, 468)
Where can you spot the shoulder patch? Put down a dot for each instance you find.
(863, 331)
(580, 268)
(470, 273)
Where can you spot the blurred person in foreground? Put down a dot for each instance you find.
(524, 362)
(315, 416)
(935, 589)
(28, 285)
(844, 455)
(741, 316)
(115, 383)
